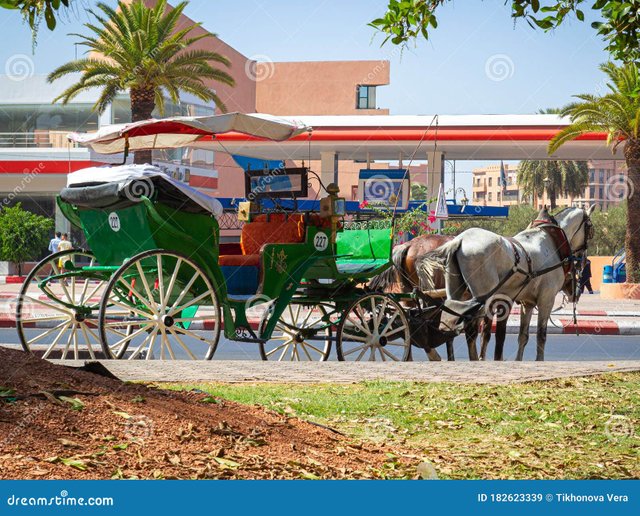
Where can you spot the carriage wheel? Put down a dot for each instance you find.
(302, 333)
(153, 303)
(374, 327)
(44, 322)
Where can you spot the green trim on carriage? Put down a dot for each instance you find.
(69, 211)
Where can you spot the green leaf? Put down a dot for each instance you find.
(75, 403)
(122, 446)
(227, 463)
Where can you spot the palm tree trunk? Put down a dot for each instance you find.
(552, 198)
(142, 105)
(632, 239)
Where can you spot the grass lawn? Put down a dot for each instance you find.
(572, 428)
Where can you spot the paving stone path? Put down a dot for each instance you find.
(238, 371)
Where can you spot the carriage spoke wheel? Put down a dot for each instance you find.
(59, 318)
(302, 333)
(160, 305)
(374, 328)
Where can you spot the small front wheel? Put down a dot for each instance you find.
(374, 327)
(302, 333)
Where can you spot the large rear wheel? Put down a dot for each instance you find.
(56, 316)
(373, 328)
(163, 306)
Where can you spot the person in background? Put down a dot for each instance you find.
(64, 245)
(54, 242)
(585, 278)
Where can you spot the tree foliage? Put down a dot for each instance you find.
(556, 177)
(406, 20)
(138, 48)
(23, 235)
(616, 113)
(35, 10)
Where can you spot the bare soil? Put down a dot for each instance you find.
(58, 422)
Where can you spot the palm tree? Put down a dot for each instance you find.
(568, 178)
(616, 113)
(139, 49)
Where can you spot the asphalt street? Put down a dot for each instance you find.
(559, 347)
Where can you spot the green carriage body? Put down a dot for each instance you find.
(303, 271)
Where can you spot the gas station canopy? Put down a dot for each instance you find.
(462, 137)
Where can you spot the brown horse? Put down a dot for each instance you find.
(405, 275)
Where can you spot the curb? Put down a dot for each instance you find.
(5, 280)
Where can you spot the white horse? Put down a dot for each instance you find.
(530, 268)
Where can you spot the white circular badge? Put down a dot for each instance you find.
(321, 241)
(114, 221)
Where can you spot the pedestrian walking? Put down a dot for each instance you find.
(55, 242)
(585, 278)
(64, 245)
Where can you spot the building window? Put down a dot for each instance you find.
(490, 181)
(592, 192)
(489, 196)
(602, 175)
(592, 174)
(366, 97)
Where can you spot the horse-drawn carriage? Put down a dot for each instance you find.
(157, 282)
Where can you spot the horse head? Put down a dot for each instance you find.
(577, 225)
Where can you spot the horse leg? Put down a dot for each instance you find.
(433, 355)
(486, 336)
(471, 334)
(501, 333)
(450, 354)
(544, 312)
(523, 337)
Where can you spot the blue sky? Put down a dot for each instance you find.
(476, 62)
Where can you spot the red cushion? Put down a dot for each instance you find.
(256, 234)
(239, 260)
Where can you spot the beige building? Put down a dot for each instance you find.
(604, 176)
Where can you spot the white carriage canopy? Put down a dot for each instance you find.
(181, 131)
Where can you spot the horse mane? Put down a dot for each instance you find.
(388, 278)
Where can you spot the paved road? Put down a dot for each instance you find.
(559, 347)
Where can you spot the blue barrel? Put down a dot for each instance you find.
(607, 274)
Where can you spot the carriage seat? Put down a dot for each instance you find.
(242, 271)
(362, 251)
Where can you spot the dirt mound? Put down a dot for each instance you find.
(57, 422)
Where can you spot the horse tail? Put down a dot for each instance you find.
(443, 262)
(393, 275)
